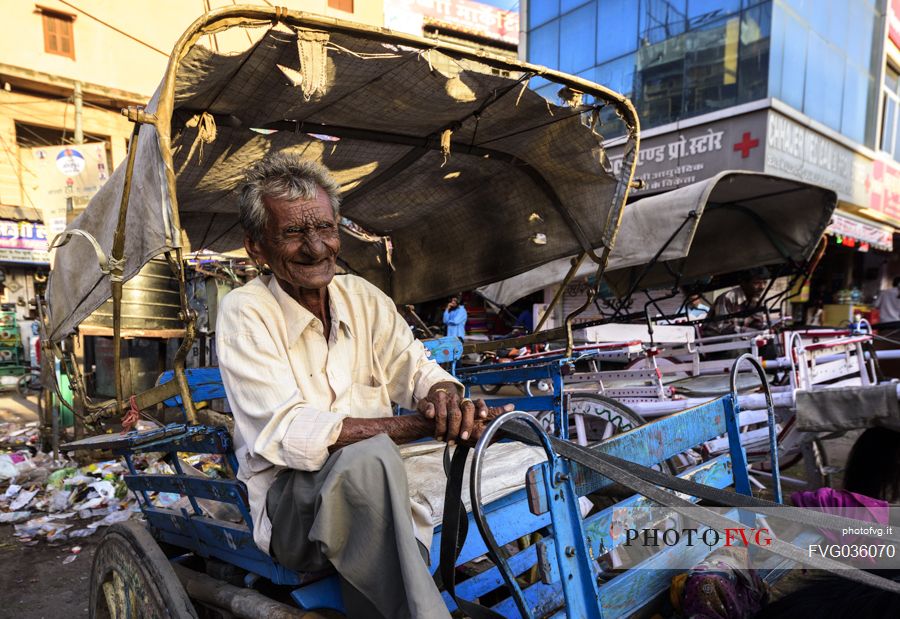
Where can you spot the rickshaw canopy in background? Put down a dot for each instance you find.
(454, 173)
(749, 220)
(735, 220)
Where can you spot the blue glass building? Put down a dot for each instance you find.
(803, 88)
(678, 59)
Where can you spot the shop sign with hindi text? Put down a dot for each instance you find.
(23, 241)
(679, 158)
(864, 234)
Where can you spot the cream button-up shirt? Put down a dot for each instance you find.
(290, 387)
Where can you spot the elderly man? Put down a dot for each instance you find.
(311, 362)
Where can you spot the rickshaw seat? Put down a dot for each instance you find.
(515, 516)
(205, 384)
(215, 537)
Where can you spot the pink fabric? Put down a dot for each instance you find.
(834, 501)
(843, 503)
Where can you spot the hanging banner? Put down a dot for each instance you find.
(475, 18)
(65, 178)
(23, 241)
(862, 233)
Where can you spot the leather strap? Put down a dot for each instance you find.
(454, 529)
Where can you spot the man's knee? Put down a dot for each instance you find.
(370, 460)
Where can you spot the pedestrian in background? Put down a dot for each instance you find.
(455, 317)
(888, 303)
(888, 306)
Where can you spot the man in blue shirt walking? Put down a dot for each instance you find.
(455, 317)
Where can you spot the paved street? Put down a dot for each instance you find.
(34, 581)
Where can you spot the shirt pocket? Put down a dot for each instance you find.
(249, 464)
(369, 401)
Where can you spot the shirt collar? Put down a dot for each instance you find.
(299, 317)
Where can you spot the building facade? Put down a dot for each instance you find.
(808, 89)
(457, 21)
(67, 68)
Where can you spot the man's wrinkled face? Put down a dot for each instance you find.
(300, 243)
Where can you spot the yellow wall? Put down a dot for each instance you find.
(104, 59)
(16, 178)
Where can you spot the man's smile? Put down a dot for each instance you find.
(318, 263)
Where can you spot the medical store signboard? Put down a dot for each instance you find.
(771, 142)
(23, 241)
(695, 153)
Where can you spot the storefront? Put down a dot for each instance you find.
(24, 264)
(852, 271)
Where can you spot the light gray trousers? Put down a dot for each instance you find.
(354, 515)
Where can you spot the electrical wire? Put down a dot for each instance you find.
(87, 136)
(36, 136)
(113, 109)
(39, 120)
(111, 27)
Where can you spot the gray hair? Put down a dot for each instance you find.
(286, 177)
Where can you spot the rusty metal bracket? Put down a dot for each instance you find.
(137, 114)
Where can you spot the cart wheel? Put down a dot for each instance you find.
(821, 470)
(614, 416)
(818, 471)
(490, 389)
(601, 418)
(132, 579)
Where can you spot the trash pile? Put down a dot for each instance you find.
(13, 437)
(59, 500)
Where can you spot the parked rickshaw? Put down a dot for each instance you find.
(454, 174)
(680, 365)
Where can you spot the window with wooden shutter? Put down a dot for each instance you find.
(58, 37)
(341, 5)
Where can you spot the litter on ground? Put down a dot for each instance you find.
(61, 500)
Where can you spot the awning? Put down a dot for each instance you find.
(854, 231)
